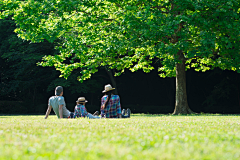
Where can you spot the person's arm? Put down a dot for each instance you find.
(119, 111)
(48, 111)
(103, 106)
(103, 103)
(83, 111)
(102, 112)
(60, 111)
(61, 103)
(76, 112)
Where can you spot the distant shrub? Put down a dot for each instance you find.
(12, 107)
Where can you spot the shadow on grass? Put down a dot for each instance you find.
(8, 115)
(181, 115)
(148, 115)
(206, 114)
(136, 115)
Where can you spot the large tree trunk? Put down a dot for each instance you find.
(113, 80)
(181, 103)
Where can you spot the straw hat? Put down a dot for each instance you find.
(81, 99)
(108, 87)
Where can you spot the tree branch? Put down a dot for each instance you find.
(118, 5)
(108, 19)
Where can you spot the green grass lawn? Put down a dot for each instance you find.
(140, 137)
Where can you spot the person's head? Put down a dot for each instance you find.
(108, 90)
(109, 93)
(59, 91)
(81, 100)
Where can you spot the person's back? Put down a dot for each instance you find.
(58, 104)
(55, 101)
(113, 108)
(81, 111)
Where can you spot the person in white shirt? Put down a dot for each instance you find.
(58, 104)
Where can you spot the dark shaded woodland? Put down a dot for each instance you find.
(26, 87)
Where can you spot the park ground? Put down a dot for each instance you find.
(143, 136)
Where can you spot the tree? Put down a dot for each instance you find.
(130, 34)
(22, 80)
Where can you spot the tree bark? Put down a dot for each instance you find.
(181, 103)
(113, 80)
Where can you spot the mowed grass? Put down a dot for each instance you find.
(140, 137)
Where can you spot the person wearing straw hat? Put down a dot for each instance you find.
(80, 109)
(57, 103)
(110, 104)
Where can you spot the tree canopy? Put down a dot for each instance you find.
(202, 34)
(22, 80)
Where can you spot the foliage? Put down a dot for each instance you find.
(140, 137)
(129, 34)
(220, 87)
(21, 79)
(88, 86)
(220, 91)
(19, 74)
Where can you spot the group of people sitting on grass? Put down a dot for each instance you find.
(110, 106)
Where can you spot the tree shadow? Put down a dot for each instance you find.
(148, 115)
(10, 115)
(182, 115)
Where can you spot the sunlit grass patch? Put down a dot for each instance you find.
(140, 137)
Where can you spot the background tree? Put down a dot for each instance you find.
(27, 84)
(20, 73)
(131, 34)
